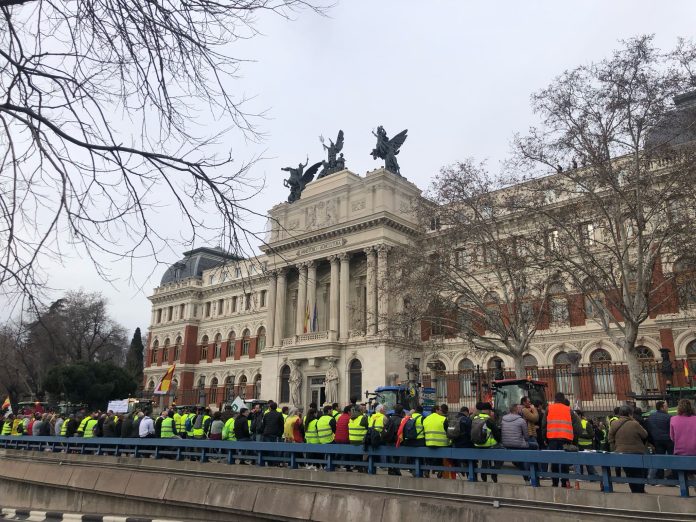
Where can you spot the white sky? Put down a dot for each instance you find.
(456, 74)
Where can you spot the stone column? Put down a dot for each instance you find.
(311, 291)
(281, 298)
(382, 289)
(343, 295)
(333, 295)
(301, 299)
(371, 291)
(271, 308)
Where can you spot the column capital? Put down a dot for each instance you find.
(302, 265)
(369, 250)
(344, 256)
(333, 258)
(310, 264)
(382, 249)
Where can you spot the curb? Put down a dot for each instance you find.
(55, 516)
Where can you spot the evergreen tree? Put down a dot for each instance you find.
(134, 358)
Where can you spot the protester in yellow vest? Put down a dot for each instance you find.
(435, 428)
(485, 434)
(326, 427)
(90, 425)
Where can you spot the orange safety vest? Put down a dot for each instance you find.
(559, 424)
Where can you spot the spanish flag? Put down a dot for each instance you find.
(165, 382)
(7, 404)
(686, 370)
(306, 318)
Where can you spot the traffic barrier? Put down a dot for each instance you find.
(416, 460)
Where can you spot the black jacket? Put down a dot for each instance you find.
(241, 428)
(657, 425)
(272, 424)
(126, 425)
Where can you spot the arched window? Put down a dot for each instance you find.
(496, 368)
(564, 379)
(355, 379)
(649, 368)
(165, 351)
(177, 349)
(242, 387)
(438, 379)
(245, 342)
(467, 378)
(257, 387)
(531, 366)
(217, 346)
(204, 348)
(213, 390)
(153, 352)
(260, 339)
(231, 339)
(201, 390)
(691, 357)
(229, 388)
(285, 384)
(602, 376)
(151, 387)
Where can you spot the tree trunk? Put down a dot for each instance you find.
(635, 371)
(520, 372)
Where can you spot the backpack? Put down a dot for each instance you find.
(410, 429)
(479, 431)
(454, 430)
(373, 439)
(391, 427)
(188, 425)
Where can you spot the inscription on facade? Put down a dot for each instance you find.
(322, 246)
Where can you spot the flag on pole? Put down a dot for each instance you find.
(306, 318)
(7, 404)
(314, 319)
(165, 382)
(686, 370)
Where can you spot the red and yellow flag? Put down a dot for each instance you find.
(686, 369)
(7, 403)
(165, 382)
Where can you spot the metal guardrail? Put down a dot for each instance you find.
(415, 460)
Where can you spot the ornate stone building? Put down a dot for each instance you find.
(276, 326)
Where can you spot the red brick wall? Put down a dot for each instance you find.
(576, 309)
(190, 351)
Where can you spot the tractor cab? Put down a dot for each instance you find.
(409, 395)
(507, 392)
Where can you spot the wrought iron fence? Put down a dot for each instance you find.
(597, 388)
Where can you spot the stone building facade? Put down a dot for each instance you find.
(273, 326)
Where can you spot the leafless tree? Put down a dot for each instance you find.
(617, 211)
(470, 273)
(13, 378)
(109, 110)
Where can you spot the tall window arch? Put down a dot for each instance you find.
(355, 378)
(153, 352)
(151, 387)
(246, 341)
(438, 379)
(649, 368)
(464, 307)
(260, 339)
(204, 348)
(602, 376)
(165, 351)
(685, 277)
(257, 387)
(177, 349)
(691, 357)
(493, 372)
(213, 390)
(231, 339)
(564, 379)
(217, 346)
(531, 366)
(201, 390)
(467, 377)
(229, 388)
(558, 304)
(242, 386)
(285, 384)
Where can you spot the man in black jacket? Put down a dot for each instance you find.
(272, 424)
(241, 425)
(657, 425)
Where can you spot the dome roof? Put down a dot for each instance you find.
(195, 262)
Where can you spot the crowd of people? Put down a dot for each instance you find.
(526, 426)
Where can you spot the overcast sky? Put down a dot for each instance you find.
(456, 74)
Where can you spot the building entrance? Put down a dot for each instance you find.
(317, 390)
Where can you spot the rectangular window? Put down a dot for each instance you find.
(263, 298)
(435, 223)
(182, 308)
(153, 356)
(234, 304)
(207, 309)
(159, 315)
(211, 279)
(170, 313)
(460, 258)
(587, 233)
(247, 301)
(230, 348)
(221, 307)
(204, 352)
(238, 272)
(246, 342)
(552, 241)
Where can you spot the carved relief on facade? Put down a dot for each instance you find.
(355, 206)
